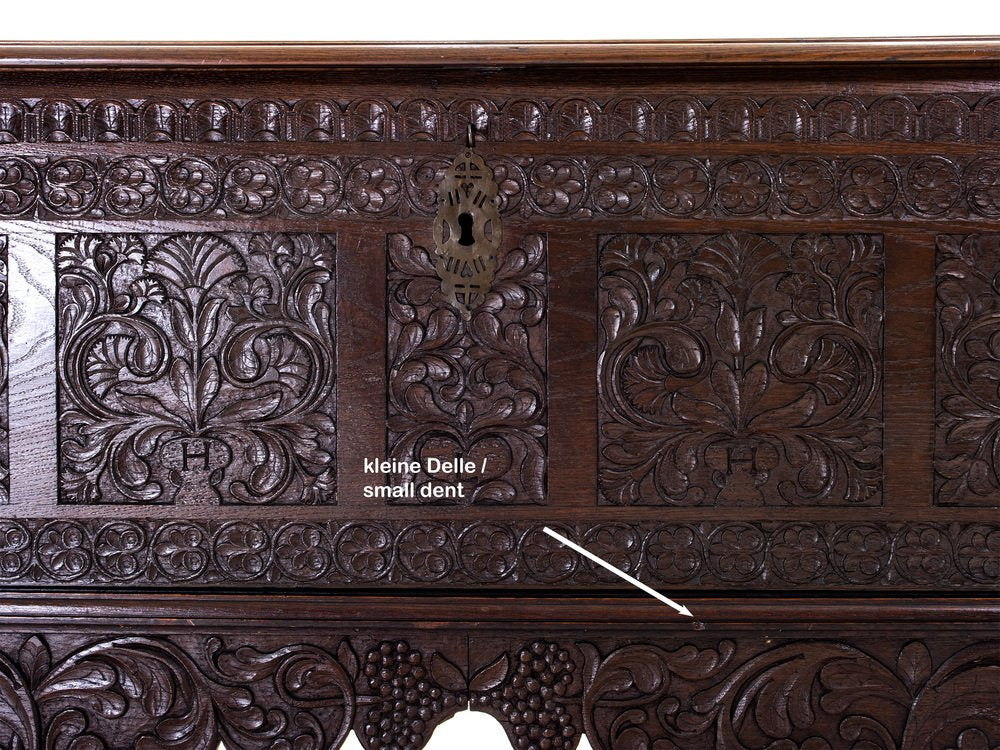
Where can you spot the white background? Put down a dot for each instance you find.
(464, 20)
(428, 20)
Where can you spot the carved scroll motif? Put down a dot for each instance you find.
(474, 387)
(967, 430)
(741, 369)
(195, 368)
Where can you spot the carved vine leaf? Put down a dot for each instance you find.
(535, 694)
(406, 696)
(967, 434)
(740, 369)
(474, 388)
(196, 367)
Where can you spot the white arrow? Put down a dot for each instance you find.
(681, 609)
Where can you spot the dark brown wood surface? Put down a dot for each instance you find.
(741, 337)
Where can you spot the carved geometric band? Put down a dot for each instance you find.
(685, 118)
(769, 554)
(300, 186)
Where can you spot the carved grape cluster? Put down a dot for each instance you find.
(531, 700)
(406, 698)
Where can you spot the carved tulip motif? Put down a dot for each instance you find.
(196, 367)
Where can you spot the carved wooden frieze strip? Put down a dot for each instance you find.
(740, 554)
(967, 118)
(4, 375)
(704, 691)
(196, 368)
(967, 400)
(740, 369)
(376, 187)
(474, 387)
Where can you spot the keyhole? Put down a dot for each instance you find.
(465, 222)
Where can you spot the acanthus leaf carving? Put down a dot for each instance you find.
(740, 369)
(473, 387)
(194, 367)
(967, 380)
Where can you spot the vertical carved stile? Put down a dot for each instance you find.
(4, 378)
(467, 345)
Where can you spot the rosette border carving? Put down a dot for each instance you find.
(772, 555)
(304, 186)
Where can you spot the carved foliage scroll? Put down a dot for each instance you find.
(670, 693)
(741, 369)
(802, 695)
(967, 381)
(471, 387)
(196, 368)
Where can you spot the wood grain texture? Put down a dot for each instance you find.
(306, 55)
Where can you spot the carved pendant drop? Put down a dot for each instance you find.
(467, 231)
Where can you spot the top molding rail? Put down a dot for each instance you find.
(234, 55)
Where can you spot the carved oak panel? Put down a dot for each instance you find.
(196, 368)
(967, 434)
(741, 369)
(474, 388)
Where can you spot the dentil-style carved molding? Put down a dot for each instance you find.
(196, 368)
(741, 369)
(772, 555)
(708, 692)
(378, 187)
(970, 118)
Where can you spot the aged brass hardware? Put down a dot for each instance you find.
(467, 230)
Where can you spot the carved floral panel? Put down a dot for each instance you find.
(196, 368)
(474, 388)
(740, 369)
(967, 381)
